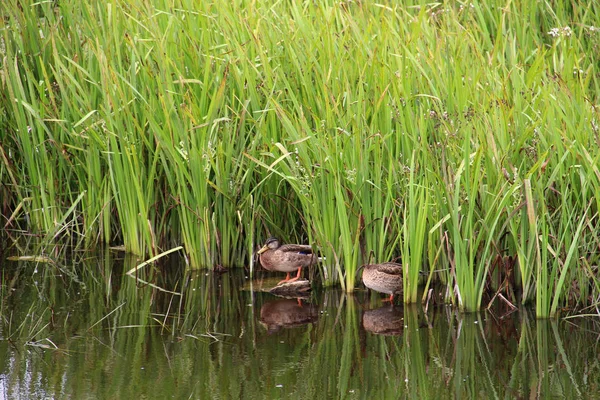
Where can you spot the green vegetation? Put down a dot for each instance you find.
(451, 134)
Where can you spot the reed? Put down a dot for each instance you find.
(416, 211)
(442, 135)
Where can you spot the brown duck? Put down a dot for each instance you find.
(286, 258)
(384, 278)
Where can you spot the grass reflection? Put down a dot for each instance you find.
(105, 335)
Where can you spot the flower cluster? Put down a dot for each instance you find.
(304, 178)
(208, 155)
(351, 175)
(182, 151)
(557, 32)
(462, 7)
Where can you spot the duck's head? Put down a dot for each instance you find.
(271, 244)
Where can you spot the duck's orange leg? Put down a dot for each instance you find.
(391, 299)
(287, 279)
(297, 275)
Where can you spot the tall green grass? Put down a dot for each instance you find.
(439, 134)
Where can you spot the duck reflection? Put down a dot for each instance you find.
(386, 320)
(287, 313)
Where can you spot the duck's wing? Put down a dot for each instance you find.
(390, 268)
(296, 248)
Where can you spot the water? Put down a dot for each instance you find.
(84, 330)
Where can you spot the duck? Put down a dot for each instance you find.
(384, 278)
(287, 258)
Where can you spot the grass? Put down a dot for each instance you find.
(446, 134)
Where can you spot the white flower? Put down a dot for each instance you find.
(556, 32)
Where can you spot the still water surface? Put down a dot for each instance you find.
(88, 331)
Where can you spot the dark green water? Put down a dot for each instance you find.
(84, 330)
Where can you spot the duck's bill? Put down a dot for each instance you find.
(262, 250)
